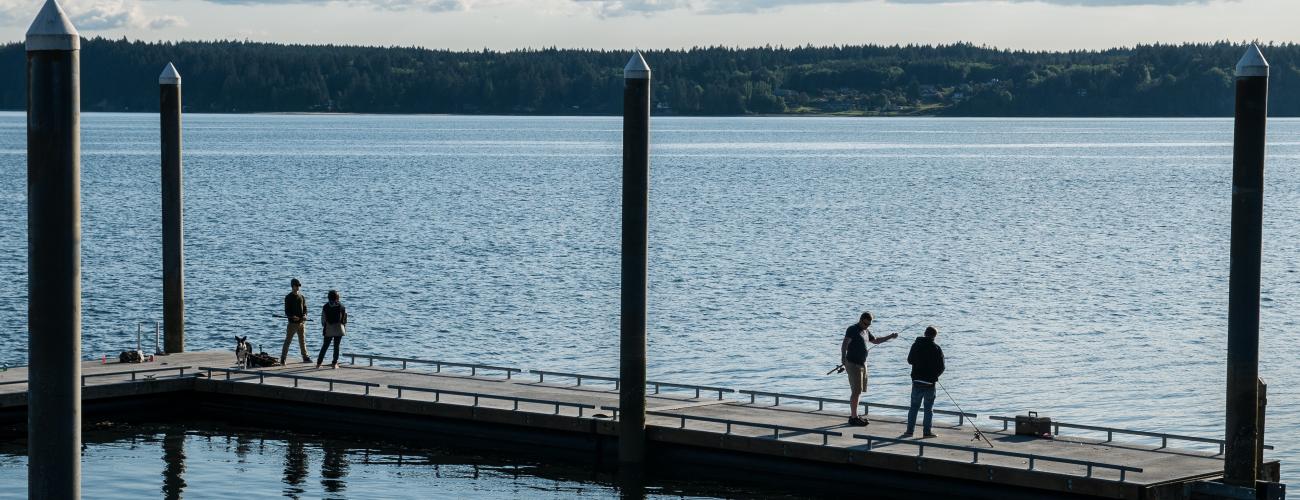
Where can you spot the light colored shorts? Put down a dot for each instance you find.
(857, 376)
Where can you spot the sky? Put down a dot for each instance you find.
(658, 24)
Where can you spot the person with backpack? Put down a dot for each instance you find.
(926, 359)
(334, 320)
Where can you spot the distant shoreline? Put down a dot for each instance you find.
(768, 115)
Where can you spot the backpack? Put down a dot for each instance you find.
(335, 314)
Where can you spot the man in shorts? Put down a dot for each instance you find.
(853, 354)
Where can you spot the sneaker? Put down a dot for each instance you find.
(856, 421)
(906, 435)
(306, 360)
(929, 435)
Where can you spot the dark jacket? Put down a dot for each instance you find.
(926, 359)
(295, 304)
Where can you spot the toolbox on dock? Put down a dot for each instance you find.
(1033, 425)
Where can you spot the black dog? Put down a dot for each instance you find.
(242, 351)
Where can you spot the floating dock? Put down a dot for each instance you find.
(716, 432)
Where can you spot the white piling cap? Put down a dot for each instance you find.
(52, 30)
(636, 68)
(169, 76)
(1252, 63)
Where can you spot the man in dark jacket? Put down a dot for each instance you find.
(295, 309)
(926, 359)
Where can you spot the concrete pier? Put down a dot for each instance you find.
(695, 431)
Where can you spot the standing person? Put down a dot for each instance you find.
(295, 309)
(853, 354)
(334, 320)
(926, 359)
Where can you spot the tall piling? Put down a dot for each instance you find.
(1239, 465)
(632, 325)
(169, 90)
(54, 255)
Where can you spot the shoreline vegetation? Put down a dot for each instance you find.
(1186, 80)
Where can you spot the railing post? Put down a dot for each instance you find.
(173, 255)
(1259, 425)
(54, 255)
(1241, 433)
(632, 308)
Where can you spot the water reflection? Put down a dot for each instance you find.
(295, 467)
(333, 467)
(173, 448)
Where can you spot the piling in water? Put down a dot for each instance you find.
(1239, 466)
(54, 255)
(169, 89)
(632, 325)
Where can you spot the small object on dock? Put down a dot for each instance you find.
(103, 360)
(1034, 425)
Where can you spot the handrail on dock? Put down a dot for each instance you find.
(261, 377)
(821, 404)
(541, 377)
(437, 397)
(697, 388)
(775, 428)
(473, 367)
(1111, 431)
(1030, 457)
(132, 373)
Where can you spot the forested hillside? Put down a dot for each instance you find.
(955, 80)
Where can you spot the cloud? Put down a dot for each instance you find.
(91, 15)
(427, 5)
(647, 7)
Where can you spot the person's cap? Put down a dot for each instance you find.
(295, 282)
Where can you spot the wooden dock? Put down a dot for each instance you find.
(693, 428)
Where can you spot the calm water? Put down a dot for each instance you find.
(204, 460)
(1074, 267)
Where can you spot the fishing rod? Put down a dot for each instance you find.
(978, 434)
(840, 368)
(281, 316)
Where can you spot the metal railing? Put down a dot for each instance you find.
(1031, 458)
(438, 393)
(1111, 431)
(134, 372)
(261, 377)
(776, 429)
(473, 367)
(696, 388)
(658, 386)
(541, 376)
(821, 404)
(11, 382)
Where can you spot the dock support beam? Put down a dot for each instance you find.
(1239, 466)
(632, 307)
(54, 256)
(169, 90)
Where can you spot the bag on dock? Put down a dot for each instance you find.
(131, 357)
(261, 360)
(1033, 425)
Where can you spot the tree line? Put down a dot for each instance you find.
(952, 80)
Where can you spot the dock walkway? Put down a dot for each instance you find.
(808, 430)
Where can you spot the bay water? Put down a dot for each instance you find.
(1075, 267)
